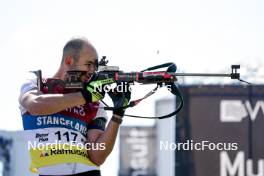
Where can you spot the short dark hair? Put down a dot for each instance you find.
(73, 48)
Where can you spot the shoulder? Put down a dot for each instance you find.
(28, 89)
(28, 85)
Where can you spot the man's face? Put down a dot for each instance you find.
(86, 62)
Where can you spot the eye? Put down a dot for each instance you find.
(90, 64)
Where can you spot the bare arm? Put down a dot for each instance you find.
(42, 104)
(108, 137)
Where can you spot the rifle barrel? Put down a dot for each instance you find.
(203, 74)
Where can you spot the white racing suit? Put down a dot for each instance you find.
(51, 138)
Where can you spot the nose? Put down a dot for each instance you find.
(91, 68)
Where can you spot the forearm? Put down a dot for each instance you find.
(52, 103)
(107, 138)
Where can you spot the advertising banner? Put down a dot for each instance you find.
(222, 129)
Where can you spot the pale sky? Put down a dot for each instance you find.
(204, 35)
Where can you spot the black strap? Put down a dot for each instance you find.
(171, 67)
(174, 90)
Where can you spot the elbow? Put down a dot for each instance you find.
(97, 160)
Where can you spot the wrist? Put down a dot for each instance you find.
(119, 112)
(117, 116)
(117, 119)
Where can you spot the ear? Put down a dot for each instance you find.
(68, 60)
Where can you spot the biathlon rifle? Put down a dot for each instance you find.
(112, 74)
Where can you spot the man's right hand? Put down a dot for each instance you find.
(93, 91)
